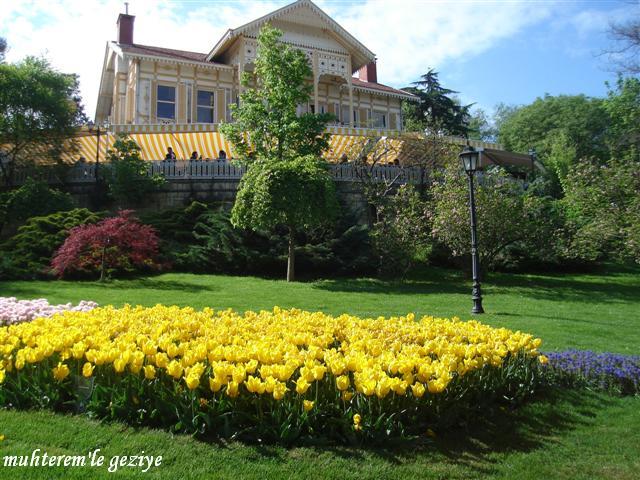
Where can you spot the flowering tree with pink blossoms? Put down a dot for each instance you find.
(118, 244)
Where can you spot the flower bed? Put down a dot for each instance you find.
(14, 311)
(607, 371)
(270, 375)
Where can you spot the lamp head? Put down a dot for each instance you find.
(470, 159)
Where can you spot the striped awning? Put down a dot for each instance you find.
(345, 144)
(154, 145)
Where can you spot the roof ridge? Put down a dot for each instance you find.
(163, 48)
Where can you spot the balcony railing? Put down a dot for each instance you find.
(85, 173)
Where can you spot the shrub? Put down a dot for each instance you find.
(175, 231)
(34, 198)
(401, 232)
(602, 204)
(200, 238)
(115, 245)
(273, 375)
(27, 255)
(13, 311)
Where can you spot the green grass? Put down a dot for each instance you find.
(567, 435)
(598, 312)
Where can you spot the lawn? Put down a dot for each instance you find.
(564, 435)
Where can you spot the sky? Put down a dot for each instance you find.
(507, 51)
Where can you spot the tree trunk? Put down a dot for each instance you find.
(292, 257)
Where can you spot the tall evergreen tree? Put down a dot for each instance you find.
(437, 108)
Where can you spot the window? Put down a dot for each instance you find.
(166, 103)
(205, 106)
(344, 115)
(379, 120)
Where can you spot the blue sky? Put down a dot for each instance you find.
(492, 51)
(560, 55)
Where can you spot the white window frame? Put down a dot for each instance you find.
(375, 116)
(174, 103)
(208, 107)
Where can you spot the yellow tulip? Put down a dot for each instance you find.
(60, 372)
(307, 405)
(149, 372)
(87, 370)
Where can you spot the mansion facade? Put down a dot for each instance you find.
(188, 91)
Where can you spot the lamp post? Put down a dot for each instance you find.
(90, 127)
(470, 159)
(533, 155)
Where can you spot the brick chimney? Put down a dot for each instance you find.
(125, 28)
(368, 73)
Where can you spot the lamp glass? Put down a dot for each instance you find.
(470, 160)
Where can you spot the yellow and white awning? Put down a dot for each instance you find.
(154, 145)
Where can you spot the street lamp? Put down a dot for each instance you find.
(533, 155)
(90, 126)
(470, 159)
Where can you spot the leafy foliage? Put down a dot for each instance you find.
(28, 254)
(175, 231)
(39, 111)
(33, 198)
(267, 125)
(115, 245)
(603, 205)
(401, 233)
(505, 213)
(126, 173)
(582, 119)
(623, 106)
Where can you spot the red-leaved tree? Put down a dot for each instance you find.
(118, 244)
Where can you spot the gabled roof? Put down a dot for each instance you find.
(163, 52)
(179, 55)
(361, 55)
(357, 83)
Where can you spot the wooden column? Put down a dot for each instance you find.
(316, 80)
(350, 104)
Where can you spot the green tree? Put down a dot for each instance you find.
(295, 194)
(623, 106)
(581, 119)
(126, 173)
(437, 107)
(267, 125)
(602, 204)
(40, 109)
(502, 213)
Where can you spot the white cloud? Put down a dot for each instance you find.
(410, 36)
(407, 36)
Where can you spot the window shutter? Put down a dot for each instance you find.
(221, 106)
(180, 97)
(154, 100)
